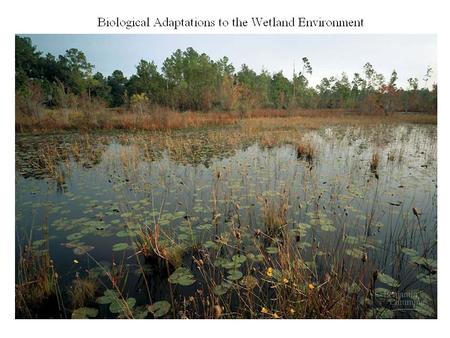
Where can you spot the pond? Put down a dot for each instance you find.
(197, 224)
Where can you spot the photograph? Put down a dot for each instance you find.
(225, 176)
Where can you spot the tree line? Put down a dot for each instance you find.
(189, 80)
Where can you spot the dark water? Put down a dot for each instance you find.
(101, 194)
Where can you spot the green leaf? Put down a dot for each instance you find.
(409, 252)
(205, 226)
(427, 278)
(221, 289)
(239, 259)
(356, 253)
(272, 250)
(352, 240)
(159, 309)
(108, 297)
(120, 247)
(231, 265)
(388, 280)
(140, 312)
(75, 236)
(383, 293)
(104, 300)
(126, 233)
(119, 305)
(304, 226)
(328, 228)
(182, 276)
(424, 309)
(234, 275)
(84, 313)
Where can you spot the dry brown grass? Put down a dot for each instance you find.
(163, 119)
(305, 150)
(374, 162)
(82, 291)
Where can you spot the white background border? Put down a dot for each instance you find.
(46, 16)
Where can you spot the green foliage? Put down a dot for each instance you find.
(388, 280)
(120, 246)
(159, 309)
(117, 83)
(189, 80)
(182, 276)
(84, 313)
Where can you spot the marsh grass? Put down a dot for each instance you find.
(37, 286)
(275, 215)
(374, 162)
(82, 291)
(163, 119)
(166, 253)
(305, 150)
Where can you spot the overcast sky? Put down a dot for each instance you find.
(330, 55)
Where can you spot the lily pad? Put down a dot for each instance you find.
(75, 236)
(120, 305)
(84, 313)
(120, 247)
(409, 252)
(125, 233)
(159, 309)
(388, 280)
(182, 276)
(328, 228)
(356, 253)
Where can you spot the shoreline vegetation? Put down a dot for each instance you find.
(161, 119)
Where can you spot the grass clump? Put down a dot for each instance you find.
(374, 162)
(275, 216)
(305, 150)
(82, 291)
(36, 283)
(158, 251)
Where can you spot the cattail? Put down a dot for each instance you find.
(415, 212)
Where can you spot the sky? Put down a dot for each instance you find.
(329, 55)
